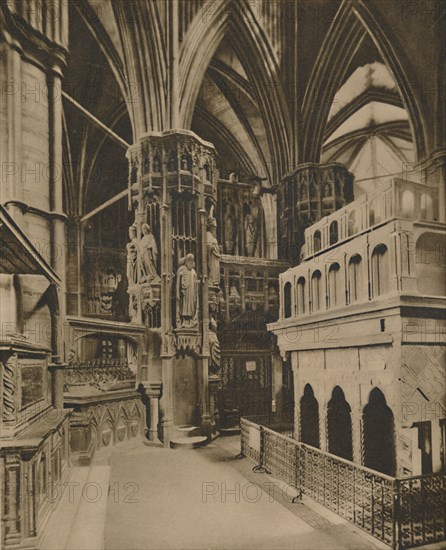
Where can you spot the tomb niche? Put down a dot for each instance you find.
(241, 227)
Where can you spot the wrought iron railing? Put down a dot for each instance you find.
(402, 513)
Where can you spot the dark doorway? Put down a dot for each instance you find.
(425, 445)
(339, 425)
(379, 434)
(309, 418)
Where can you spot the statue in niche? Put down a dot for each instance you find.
(187, 296)
(149, 255)
(230, 232)
(214, 348)
(251, 225)
(134, 170)
(213, 250)
(132, 257)
(313, 186)
(172, 163)
(185, 163)
(327, 190)
(110, 281)
(338, 183)
(304, 192)
(156, 164)
(133, 306)
(71, 357)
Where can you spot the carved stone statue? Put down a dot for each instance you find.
(132, 257)
(230, 232)
(149, 254)
(251, 234)
(214, 348)
(213, 251)
(187, 295)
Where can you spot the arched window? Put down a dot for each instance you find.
(354, 278)
(352, 223)
(380, 270)
(287, 300)
(309, 418)
(317, 241)
(300, 295)
(427, 207)
(316, 290)
(334, 286)
(334, 232)
(339, 425)
(408, 204)
(378, 434)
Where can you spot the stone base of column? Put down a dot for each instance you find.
(206, 427)
(167, 432)
(153, 442)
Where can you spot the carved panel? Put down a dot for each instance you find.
(423, 383)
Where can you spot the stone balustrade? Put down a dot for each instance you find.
(395, 199)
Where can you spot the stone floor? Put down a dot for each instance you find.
(206, 499)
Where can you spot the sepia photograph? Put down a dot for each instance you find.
(223, 274)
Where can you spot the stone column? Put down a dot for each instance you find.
(12, 190)
(57, 383)
(153, 391)
(167, 401)
(205, 418)
(436, 446)
(214, 382)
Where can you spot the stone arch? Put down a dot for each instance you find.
(309, 418)
(339, 425)
(380, 267)
(287, 300)
(254, 51)
(378, 434)
(317, 293)
(355, 279)
(300, 296)
(350, 26)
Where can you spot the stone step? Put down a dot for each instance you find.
(232, 430)
(58, 528)
(88, 528)
(188, 442)
(186, 431)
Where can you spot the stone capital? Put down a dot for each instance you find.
(153, 389)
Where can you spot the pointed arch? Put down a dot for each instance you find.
(197, 50)
(141, 38)
(340, 45)
(378, 434)
(349, 28)
(395, 57)
(251, 46)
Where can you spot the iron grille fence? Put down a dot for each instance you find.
(403, 513)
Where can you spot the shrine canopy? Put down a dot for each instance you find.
(18, 255)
